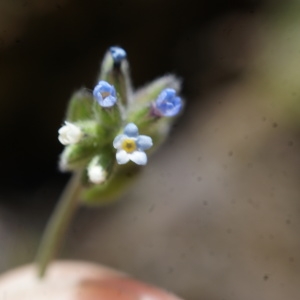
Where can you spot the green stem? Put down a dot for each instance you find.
(58, 224)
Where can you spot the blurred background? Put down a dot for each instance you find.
(216, 213)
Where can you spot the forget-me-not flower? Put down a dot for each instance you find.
(131, 146)
(118, 54)
(105, 94)
(167, 104)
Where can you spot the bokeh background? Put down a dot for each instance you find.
(216, 213)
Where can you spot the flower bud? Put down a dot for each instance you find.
(167, 104)
(115, 70)
(69, 134)
(96, 173)
(105, 94)
(118, 54)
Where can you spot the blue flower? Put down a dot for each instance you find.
(131, 146)
(167, 104)
(105, 94)
(118, 54)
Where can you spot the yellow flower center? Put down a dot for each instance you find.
(129, 145)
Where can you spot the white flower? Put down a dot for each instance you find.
(69, 134)
(96, 174)
(131, 146)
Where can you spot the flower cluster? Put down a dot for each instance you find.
(101, 133)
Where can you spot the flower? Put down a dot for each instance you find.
(96, 174)
(167, 104)
(105, 94)
(118, 54)
(69, 134)
(131, 146)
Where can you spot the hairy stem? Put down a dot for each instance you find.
(58, 224)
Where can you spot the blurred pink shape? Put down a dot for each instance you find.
(72, 280)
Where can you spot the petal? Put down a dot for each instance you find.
(108, 101)
(118, 141)
(131, 130)
(167, 103)
(138, 157)
(165, 95)
(117, 53)
(113, 91)
(97, 93)
(170, 108)
(103, 87)
(144, 142)
(122, 157)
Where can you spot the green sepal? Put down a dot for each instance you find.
(158, 129)
(147, 94)
(76, 156)
(109, 118)
(105, 159)
(95, 133)
(103, 194)
(106, 66)
(140, 111)
(117, 75)
(95, 139)
(80, 106)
